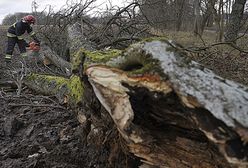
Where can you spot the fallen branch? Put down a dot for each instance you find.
(36, 105)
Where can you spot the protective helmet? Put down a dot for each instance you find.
(29, 19)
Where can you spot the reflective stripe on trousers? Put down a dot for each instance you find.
(11, 45)
(7, 56)
(24, 54)
(20, 37)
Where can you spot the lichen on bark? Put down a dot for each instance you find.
(88, 58)
(67, 90)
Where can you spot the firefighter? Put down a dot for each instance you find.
(15, 35)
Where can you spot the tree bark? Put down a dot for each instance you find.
(207, 16)
(235, 21)
(180, 11)
(169, 111)
(184, 101)
(68, 91)
(197, 23)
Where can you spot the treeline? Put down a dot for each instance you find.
(9, 19)
(196, 15)
(116, 25)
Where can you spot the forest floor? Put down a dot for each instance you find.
(37, 132)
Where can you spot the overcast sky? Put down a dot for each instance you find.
(13, 6)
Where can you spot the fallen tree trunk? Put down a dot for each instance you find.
(49, 57)
(68, 91)
(170, 111)
(184, 100)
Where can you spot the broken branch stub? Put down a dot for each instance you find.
(172, 111)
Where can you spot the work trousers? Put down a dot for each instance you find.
(11, 45)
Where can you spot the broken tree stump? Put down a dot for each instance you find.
(176, 98)
(169, 110)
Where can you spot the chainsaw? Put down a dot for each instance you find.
(33, 46)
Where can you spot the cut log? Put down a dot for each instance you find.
(76, 40)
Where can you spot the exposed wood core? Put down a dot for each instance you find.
(159, 127)
(174, 132)
(193, 102)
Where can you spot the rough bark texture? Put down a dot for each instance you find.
(235, 21)
(185, 98)
(168, 110)
(47, 53)
(77, 39)
(66, 90)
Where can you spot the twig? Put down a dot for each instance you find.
(36, 105)
(207, 56)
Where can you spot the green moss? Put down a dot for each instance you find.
(76, 88)
(77, 59)
(149, 65)
(100, 57)
(72, 87)
(93, 57)
(136, 62)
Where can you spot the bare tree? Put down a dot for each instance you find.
(235, 21)
(207, 8)
(34, 7)
(172, 15)
(197, 23)
(219, 20)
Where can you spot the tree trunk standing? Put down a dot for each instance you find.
(220, 22)
(180, 11)
(235, 21)
(197, 23)
(228, 11)
(207, 18)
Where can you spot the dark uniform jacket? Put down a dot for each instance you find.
(18, 29)
(15, 33)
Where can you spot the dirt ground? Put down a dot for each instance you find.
(38, 136)
(37, 132)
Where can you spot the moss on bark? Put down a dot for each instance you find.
(66, 90)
